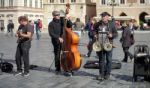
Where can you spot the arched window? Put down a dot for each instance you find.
(142, 17)
(123, 14)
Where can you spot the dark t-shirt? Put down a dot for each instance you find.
(24, 29)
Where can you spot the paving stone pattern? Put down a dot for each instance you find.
(41, 54)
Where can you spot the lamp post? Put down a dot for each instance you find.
(113, 7)
(112, 3)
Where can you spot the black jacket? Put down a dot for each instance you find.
(55, 29)
(125, 38)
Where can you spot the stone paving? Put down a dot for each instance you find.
(41, 54)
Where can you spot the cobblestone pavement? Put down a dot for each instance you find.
(41, 54)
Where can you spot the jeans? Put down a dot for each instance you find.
(105, 60)
(127, 53)
(38, 32)
(22, 55)
(57, 49)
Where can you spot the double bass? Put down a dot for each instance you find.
(70, 56)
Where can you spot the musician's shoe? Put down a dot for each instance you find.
(124, 60)
(17, 73)
(58, 71)
(25, 74)
(100, 78)
(68, 74)
(107, 76)
(131, 58)
(87, 55)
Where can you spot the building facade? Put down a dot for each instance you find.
(83, 9)
(12, 9)
(125, 9)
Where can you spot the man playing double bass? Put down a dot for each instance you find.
(111, 33)
(55, 31)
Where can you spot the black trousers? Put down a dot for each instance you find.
(57, 49)
(127, 53)
(22, 55)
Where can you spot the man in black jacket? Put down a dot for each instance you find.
(107, 26)
(55, 31)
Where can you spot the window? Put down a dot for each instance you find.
(103, 2)
(122, 1)
(10, 2)
(51, 1)
(30, 3)
(62, 1)
(25, 3)
(73, 1)
(36, 3)
(2, 3)
(142, 1)
(41, 4)
(2, 23)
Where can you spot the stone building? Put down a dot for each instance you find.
(12, 9)
(83, 9)
(125, 9)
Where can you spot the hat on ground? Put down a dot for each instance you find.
(56, 13)
(105, 14)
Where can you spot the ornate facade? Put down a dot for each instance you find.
(83, 9)
(125, 9)
(12, 9)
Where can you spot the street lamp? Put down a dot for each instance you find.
(112, 3)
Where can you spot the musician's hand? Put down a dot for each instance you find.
(95, 36)
(61, 40)
(110, 35)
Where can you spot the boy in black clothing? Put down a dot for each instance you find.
(24, 34)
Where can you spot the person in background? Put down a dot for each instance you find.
(79, 26)
(90, 28)
(10, 28)
(126, 43)
(38, 26)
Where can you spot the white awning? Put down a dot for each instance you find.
(118, 18)
(147, 17)
(123, 17)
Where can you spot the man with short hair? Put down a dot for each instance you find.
(108, 31)
(55, 31)
(24, 34)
